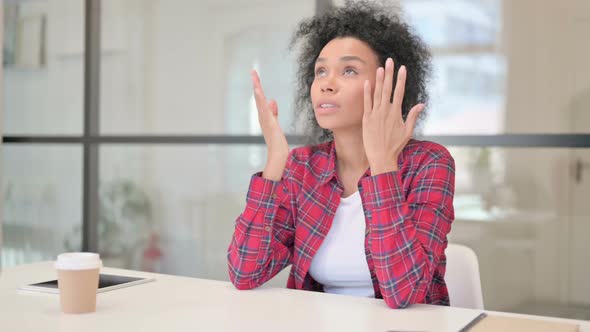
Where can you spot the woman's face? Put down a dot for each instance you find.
(337, 89)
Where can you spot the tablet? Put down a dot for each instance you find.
(106, 282)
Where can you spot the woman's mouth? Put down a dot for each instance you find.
(326, 108)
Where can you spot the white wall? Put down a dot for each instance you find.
(49, 99)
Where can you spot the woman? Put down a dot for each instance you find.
(366, 211)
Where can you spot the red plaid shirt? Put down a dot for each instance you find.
(408, 214)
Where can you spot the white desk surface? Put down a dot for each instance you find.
(173, 303)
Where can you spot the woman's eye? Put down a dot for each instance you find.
(320, 72)
(349, 71)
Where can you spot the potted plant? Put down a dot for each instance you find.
(125, 222)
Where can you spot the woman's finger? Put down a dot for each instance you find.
(255, 80)
(273, 107)
(387, 84)
(258, 93)
(413, 117)
(378, 88)
(400, 88)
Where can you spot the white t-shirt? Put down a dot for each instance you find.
(340, 263)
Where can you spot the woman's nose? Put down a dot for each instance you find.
(328, 85)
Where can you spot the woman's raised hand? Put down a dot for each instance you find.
(276, 142)
(385, 133)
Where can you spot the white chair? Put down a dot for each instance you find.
(462, 277)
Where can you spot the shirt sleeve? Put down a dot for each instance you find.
(407, 235)
(262, 243)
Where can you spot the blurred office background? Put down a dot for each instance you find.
(162, 164)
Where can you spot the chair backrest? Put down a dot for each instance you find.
(462, 277)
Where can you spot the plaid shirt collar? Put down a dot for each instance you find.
(327, 152)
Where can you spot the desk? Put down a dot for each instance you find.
(174, 303)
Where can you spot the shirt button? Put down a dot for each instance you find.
(275, 196)
(267, 228)
(368, 231)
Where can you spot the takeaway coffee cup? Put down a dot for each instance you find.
(78, 274)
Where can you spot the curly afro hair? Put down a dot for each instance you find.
(383, 30)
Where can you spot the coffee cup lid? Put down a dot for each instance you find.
(78, 261)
